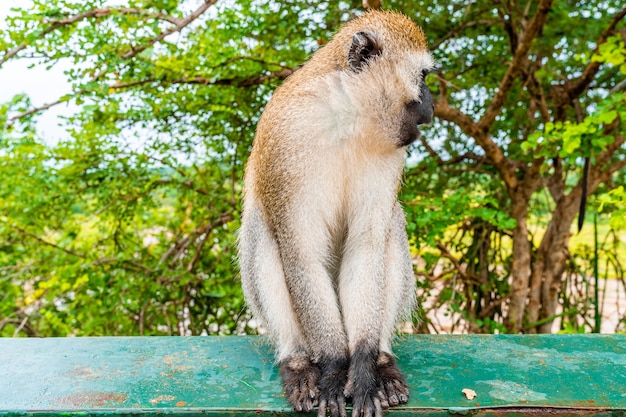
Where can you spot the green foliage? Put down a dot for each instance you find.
(583, 139)
(586, 138)
(614, 201)
(613, 53)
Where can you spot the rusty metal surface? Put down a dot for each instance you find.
(511, 375)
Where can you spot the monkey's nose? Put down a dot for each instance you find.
(426, 107)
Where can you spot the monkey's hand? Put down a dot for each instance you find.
(392, 382)
(374, 387)
(300, 380)
(332, 382)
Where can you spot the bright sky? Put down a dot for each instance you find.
(42, 86)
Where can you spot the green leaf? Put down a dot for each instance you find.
(608, 117)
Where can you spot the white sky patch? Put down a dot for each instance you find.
(41, 85)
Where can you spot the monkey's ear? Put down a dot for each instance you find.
(364, 47)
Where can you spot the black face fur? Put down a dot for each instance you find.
(416, 113)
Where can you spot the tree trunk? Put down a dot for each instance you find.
(554, 253)
(549, 264)
(520, 268)
(536, 279)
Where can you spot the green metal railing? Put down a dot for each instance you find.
(236, 376)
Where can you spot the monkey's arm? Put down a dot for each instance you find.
(373, 274)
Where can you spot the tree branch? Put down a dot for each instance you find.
(204, 233)
(457, 265)
(618, 87)
(34, 110)
(554, 183)
(456, 31)
(429, 148)
(138, 266)
(598, 173)
(479, 130)
(45, 242)
(110, 11)
(244, 82)
(509, 28)
(444, 111)
(492, 151)
(537, 95)
(54, 103)
(95, 13)
(181, 24)
(515, 66)
(579, 85)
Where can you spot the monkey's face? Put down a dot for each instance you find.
(390, 72)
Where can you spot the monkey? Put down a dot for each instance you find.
(323, 251)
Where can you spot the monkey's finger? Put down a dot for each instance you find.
(298, 406)
(347, 391)
(396, 392)
(392, 397)
(381, 394)
(378, 409)
(368, 409)
(308, 405)
(357, 407)
(308, 396)
(313, 391)
(308, 401)
(321, 410)
(402, 391)
(294, 398)
(341, 402)
(384, 403)
(384, 399)
(334, 408)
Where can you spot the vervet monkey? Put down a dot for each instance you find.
(323, 250)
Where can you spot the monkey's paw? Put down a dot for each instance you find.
(300, 380)
(332, 382)
(392, 382)
(375, 386)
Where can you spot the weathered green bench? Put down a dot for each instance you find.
(235, 376)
